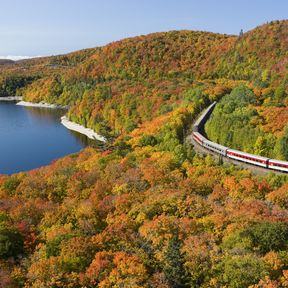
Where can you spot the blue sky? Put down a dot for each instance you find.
(49, 27)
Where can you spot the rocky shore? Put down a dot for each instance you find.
(11, 98)
(81, 129)
(41, 105)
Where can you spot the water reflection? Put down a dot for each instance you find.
(52, 115)
(82, 139)
(32, 137)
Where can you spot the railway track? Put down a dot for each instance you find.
(256, 163)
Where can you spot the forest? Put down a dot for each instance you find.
(236, 122)
(147, 211)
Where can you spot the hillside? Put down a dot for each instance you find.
(114, 88)
(6, 61)
(125, 83)
(259, 55)
(148, 212)
(244, 122)
(264, 118)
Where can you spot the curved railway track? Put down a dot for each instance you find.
(235, 156)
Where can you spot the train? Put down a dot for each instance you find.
(224, 151)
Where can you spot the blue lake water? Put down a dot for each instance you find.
(33, 137)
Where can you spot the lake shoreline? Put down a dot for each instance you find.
(90, 133)
(11, 98)
(34, 137)
(41, 105)
(81, 129)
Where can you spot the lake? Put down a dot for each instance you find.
(32, 137)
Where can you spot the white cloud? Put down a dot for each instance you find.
(16, 58)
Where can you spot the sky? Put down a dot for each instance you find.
(51, 27)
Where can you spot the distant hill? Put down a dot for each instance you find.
(6, 61)
(142, 67)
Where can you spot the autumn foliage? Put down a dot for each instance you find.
(147, 211)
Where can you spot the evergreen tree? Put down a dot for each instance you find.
(173, 264)
(280, 92)
(284, 144)
(11, 243)
(241, 33)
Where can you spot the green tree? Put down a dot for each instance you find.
(11, 184)
(268, 236)
(11, 243)
(243, 270)
(146, 140)
(173, 264)
(284, 144)
(280, 91)
(264, 145)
